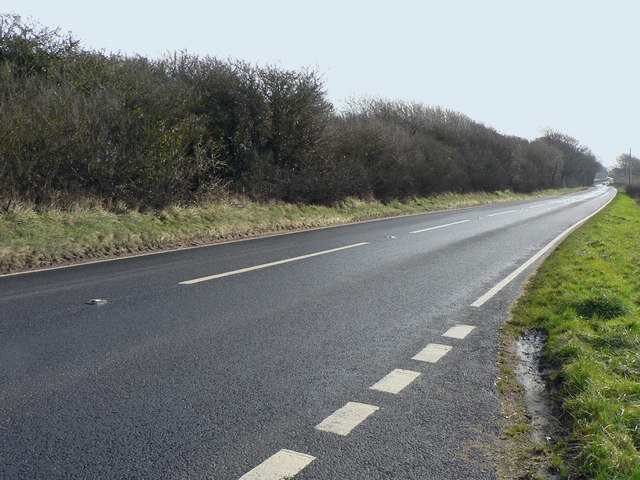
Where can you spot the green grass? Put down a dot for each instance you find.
(31, 238)
(586, 297)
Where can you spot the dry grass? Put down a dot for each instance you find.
(31, 238)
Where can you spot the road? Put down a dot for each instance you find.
(266, 371)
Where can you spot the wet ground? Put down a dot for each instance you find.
(529, 374)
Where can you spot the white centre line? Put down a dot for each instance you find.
(432, 353)
(484, 298)
(395, 381)
(501, 213)
(440, 226)
(459, 331)
(281, 465)
(345, 419)
(539, 205)
(271, 264)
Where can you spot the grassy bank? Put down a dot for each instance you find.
(585, 301)
(31, 238)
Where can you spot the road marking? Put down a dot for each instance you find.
(271, 264)
(484, 298)
(281, 465)
(432, 353)
(440, 226)
(225, 242)
(395, 381)
(459, 331)
(345, 419)
(501, 213)
(539, 205)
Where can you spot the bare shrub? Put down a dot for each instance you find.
(147, 133)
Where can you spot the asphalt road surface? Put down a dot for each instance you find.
(256, 359)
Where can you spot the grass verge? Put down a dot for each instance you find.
(31, 238)
(585, 301)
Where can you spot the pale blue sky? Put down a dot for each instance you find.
(518, 66)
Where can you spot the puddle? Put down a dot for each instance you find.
(528, 374)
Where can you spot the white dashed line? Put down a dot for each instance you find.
(432, 353)
(440, 226)
(538, 206)
(271, 264)
(501, 213)
(281, 465)
(395, 381)
(459, 331)
(345, 419)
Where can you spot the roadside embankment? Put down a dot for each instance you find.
(583, 306)
(34, 238)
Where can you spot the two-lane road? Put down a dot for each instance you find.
(257, 358)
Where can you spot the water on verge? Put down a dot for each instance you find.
(529, 375)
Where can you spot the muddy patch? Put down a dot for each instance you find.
(530, 375)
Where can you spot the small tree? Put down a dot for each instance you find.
(30, 48)
(580, 165)
(620, 172)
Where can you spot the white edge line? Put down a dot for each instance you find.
(271, 264)
(440, 226)
(281, 465)
(484, 298)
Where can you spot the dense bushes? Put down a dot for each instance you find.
(408, 149)
(82, 123)
(77, 123)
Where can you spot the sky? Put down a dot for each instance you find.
(519, 66)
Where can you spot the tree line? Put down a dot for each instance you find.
(77, 123)
(627, 168)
